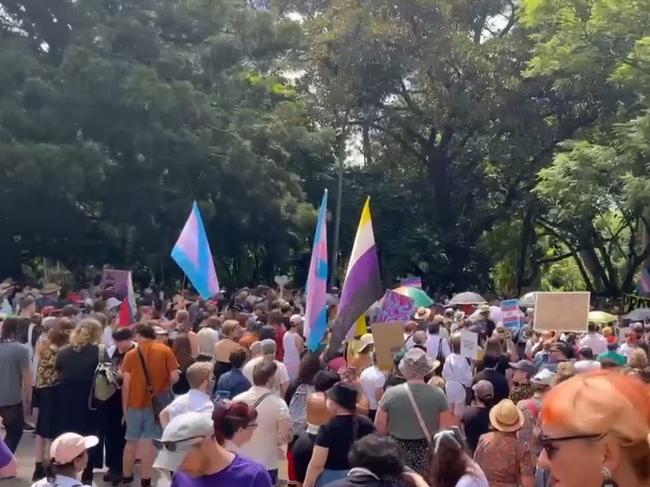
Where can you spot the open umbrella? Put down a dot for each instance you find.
(467, 298)
(601, 317)
(640, 314)
(496, 314)
(419, 297)
(528, 300)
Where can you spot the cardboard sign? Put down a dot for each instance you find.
(469, 344)
(389, 340)
(634, 301)
(119, 279)
(562, 311)
(510, 314)
(395, 307)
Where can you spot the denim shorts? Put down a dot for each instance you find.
(141, 425)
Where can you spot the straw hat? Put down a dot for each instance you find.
(506, 417)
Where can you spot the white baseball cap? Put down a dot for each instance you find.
(182, 432)
(68, 446)
(296, 319)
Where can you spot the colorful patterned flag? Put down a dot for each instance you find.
(316, 288)
(362, 286)
(192, 254)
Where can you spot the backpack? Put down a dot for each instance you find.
(105, 380)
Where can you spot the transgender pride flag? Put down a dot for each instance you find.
(362, 286)
(316, 288)
(192, 254)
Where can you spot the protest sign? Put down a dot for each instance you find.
(389, 340)
(119, 279)
(411, 282)
(562, 311)
(395, 307)
(634, 301)
(510, 314)
(469, 344)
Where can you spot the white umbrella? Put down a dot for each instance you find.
(496, 314)
(528, 300)
(640, 314)
(467, 298)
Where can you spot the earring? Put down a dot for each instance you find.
(608, 481)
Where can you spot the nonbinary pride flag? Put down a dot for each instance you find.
(192, 254)
(362, 286)
(316, 288)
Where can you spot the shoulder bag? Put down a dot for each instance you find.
(160, 400)
(418, 414)
(105, 380)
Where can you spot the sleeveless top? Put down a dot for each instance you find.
(291, 355)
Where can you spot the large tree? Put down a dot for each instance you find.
(115, 115)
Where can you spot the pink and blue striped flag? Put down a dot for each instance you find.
(316, 288)
(192, 254)
(644, 281)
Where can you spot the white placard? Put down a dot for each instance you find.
(469, 344)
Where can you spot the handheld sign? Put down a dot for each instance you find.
(562, 311)
(389, 340)
(395, 307)
(510, 314)
(281, 281)
(469, 344)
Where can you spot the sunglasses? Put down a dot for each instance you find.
(176, 445)
(551, 449)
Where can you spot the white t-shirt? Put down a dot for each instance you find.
(477, 479)
(273, 424)
(435, 341)
(281, 375)
(582, 366)
(107, 337)
(59, 481)
(596, 342)
(194, 400)
(372, 379)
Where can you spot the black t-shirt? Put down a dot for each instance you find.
(77, 365)
(338, 435)
(499, 382)
(476, 422)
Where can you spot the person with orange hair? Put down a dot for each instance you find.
(599, 421)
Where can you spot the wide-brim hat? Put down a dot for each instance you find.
(506, 417)
(6, 285)
(417, 364)
(422, 313)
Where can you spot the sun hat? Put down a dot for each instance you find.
(544, 378)
(506, 417)
(422, 313)
(366, 340)
(525, 365)
(565, 370)
(483, 390)
(68, 446)
(182, 433)
(416, 364)
(484, 308)
(344, 394)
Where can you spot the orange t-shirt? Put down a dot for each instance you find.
(248, 339)
(160, 361)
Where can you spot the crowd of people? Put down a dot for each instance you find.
(224, 392)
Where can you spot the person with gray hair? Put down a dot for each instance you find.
(268, 350)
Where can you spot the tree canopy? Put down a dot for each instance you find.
(504, 144)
